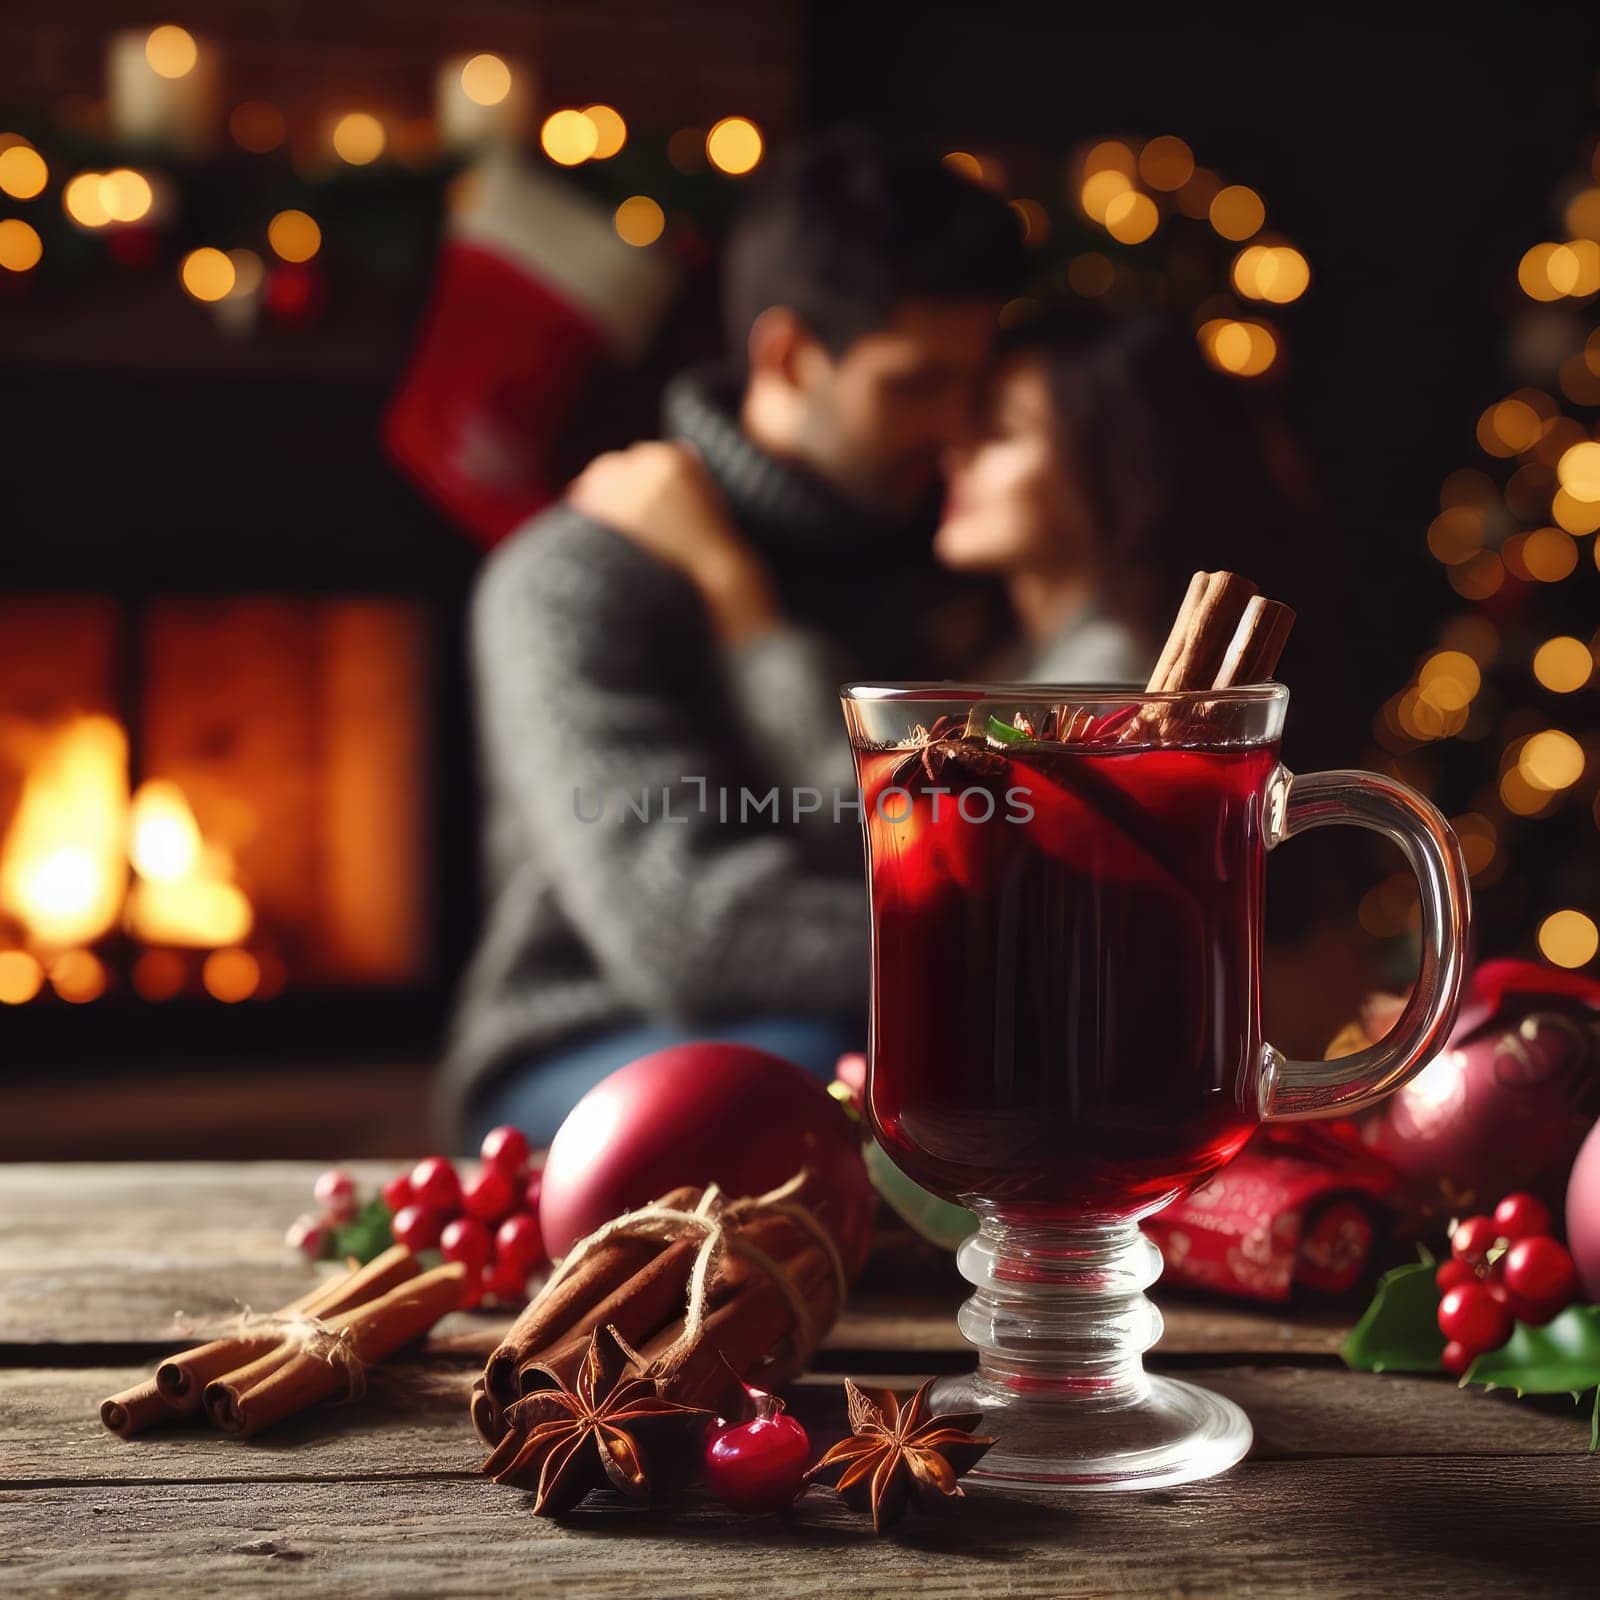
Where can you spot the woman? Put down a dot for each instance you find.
(1111, 463)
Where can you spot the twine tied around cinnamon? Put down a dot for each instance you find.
(309, 1335)
(712, 1219)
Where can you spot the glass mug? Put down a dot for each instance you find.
(1066, 1033)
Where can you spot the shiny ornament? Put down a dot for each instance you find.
(1583, 1215)
(697, 1114)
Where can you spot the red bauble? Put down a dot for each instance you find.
(466, 1240)
(295, 293)
(1540, 1273)
(487, 1195)
(704, 1113)
(1519, 1215)
(1583, 1215)
(434, 1183)
(1471, 1316)
(1506, 1106)
(505, 1147)
(417, 1227)
(517, 1241)
(758, 1466)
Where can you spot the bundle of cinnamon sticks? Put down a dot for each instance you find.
(640, 1285)
(311, 1350)
(1225, 634)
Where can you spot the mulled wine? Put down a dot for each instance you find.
(1065, 955)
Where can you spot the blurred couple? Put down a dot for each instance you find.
(679, 624)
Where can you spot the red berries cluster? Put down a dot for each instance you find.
(1502, 1270)
(489, 1222)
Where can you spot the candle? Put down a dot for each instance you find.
(161, 87)
(482, 100)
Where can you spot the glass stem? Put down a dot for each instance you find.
(1060, 1310)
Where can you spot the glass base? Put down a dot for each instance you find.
(1061, 1322)
(1178, 1433)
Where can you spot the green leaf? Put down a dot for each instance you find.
(1594, 1425)
(365, 1235)
(1562, 1357)
(1399, 1331)
(937, 1220)
(1004, 732)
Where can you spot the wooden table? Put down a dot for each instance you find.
(1357, 1485)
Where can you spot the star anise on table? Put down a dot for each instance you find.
(611, 1429)
(898, 1448)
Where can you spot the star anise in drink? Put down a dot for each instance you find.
(897, 1448)
(948, 749)
(611, 1429)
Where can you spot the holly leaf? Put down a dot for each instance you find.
(999, 732)
(365, 1235)
(1399, 1331)
(1562, 1357)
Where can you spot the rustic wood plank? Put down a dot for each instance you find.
(414, 1421)
(1332, 1530)
(107, 1254)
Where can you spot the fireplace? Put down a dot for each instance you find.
(213, 803)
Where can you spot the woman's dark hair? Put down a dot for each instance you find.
(849, 225)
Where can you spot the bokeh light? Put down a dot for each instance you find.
(1548, 554)
(1579, 471)
(78, 976)
(81, 201)
(23, 173)
(1242, 349)
(171, 51)
(1568, 938)
(1582, 214)
(1563, 664)
(734, 146)
(158, 975)
(1237, 212)
(1456, 535)
(249, 272)
(568, 137)
(1509, 427)
(1479, 577)
(257, 126)
(230, 975)
(1551, 760)
(1278, 273)
(1195, 197)
(639, 220)
(485, 79)
(358, 138)
(611, 131)
(1099, 190)
(125, 195)
(294, 236)
(1090, 274)
(1131, 217)
(207, 274)
(21, 977)
(20, 245)
(1166, 162)
(965, 164)
(1034, 218)
(1549, 271)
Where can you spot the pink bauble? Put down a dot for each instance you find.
(697, 1114)
(1583, 1215)
(1505, 1106)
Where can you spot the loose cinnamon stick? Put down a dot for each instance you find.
(183, 1378)
(1206, 623)
(1258, 641)
(378, 1328)
(143, 1406)
(549, 1318)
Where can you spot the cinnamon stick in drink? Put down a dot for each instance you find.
(1200, 636)
(1257, 642)
(375, 1329)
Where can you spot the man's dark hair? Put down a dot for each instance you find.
(850, 225)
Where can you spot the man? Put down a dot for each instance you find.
(656, 654)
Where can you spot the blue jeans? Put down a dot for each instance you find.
(537, 1095)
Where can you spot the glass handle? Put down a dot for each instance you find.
(1291, 1091)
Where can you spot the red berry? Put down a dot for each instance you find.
(506, 1282)
(758, 1466)
(466, 1240)
(434, 1183)
(1539, 1270)
(417, 1227)
(307, 1235)
(1520, 1215)
(486, 1195)
(1456, 1358)
(518, 1242)
(505, 1147)
(335, 1192)
(1471, 1316)
(397, 1193)
(531, 1194)
(1471, 1239)
(1453, 1272)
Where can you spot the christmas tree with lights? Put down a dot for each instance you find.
(1499, 720)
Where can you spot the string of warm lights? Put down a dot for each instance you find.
(1510, 535)
(163, 91)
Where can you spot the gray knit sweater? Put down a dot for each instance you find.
(601, 693)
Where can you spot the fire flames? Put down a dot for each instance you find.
(82, 854)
